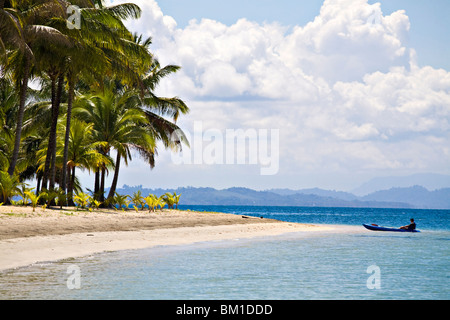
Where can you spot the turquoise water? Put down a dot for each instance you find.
(425, 219)
(323, 265)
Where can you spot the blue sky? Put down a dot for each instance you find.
(353, 97)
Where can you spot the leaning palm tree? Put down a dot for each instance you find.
(157, 109)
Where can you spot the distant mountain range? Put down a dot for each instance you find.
(430, 181)
(406, 197)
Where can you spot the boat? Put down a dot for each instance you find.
(375, 227)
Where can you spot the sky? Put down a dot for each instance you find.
(326, 94)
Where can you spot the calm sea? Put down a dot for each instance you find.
(346, 263)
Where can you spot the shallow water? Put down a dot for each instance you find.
(301, 265)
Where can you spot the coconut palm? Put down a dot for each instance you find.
(82, 199)
(176, 199)
(32, 33)
(169, 199)
(82, 151)
(89, 45)
(33, 198)
(137, 199)
(153, 202)
(35, 42)
(150, 200)
(121, 201)
(157, 108)
(23, 193)
(10, 30)
(119, 124)
(9, 186)
(8, 110)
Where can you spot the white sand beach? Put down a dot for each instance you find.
(28, 237)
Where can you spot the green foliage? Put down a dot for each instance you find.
(82, 199)
(176, 199)
(9, 186)
(153, 202)
(94, 203)
(44, 139)
(50, 196)
(23, 193)
(121, 201)
(150, 200)
(169, 199)
(137, 199)
(33, 198)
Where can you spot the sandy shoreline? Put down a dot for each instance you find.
(27, 237)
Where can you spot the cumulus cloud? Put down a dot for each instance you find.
(344, 89)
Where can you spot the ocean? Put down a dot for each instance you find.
(348, 262)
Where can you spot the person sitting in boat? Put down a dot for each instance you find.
(411, 226)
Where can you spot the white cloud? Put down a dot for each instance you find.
(344, 89)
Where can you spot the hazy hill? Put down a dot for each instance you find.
(430, 181)
(245, 196)
(411, 197)
(417, 196)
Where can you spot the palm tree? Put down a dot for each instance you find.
(32, 32)
(82, 199)
(120, 200)
(82, 151)
(150, 199)
(154, 201)
(35, 41)
(23, 193)
(176, 199)
(9, 186)
(88, 44)
(137, 199)
(10, 30)
(45, 45)
(160, 202)
(113, 122)
(8, 110)
(33, 198)
(169, 199)
(157, 108)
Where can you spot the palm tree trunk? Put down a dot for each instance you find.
(67, 136)
(70, 187)
(38, 184)
(23, 95)
(55, 116)
(97, 184)
(102, 183)
(102, 186)
(112, 191)
(48, 157)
